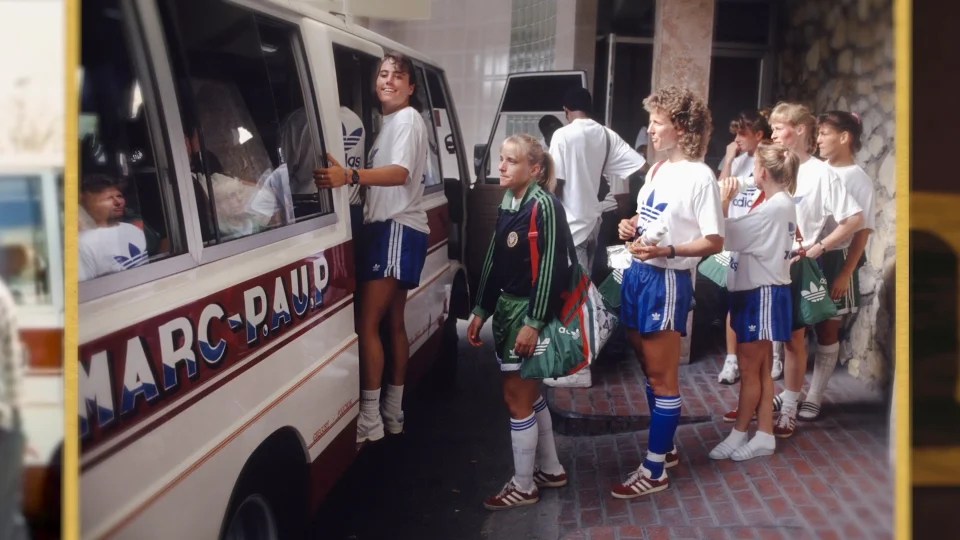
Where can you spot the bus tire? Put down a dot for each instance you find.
(269, 499)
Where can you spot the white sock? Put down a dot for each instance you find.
(736, 438)
(546, 446)
(790, 399)
(393, 401)
(523, 435)
(731, 358)
(823, 366)
(370, 404)
(763, 440)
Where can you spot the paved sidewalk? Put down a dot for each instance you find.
(830, 480)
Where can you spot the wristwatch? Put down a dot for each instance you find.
(673, 252)
(354, 177)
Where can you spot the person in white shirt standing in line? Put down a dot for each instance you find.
(582, 152)
(392, 243)
(761, 309)
(839, 139)
(748, 129)
(678, 221)
(820, 195)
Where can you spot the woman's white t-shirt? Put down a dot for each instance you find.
(820, 195)
(402, 141)
(685, 197)
(860, 187)
(759, 243)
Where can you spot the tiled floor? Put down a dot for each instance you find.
(831, 480)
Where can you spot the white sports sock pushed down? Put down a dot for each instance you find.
(370, 403)
(393, 401)
(523, 435)
(823, 366)
(546, 445)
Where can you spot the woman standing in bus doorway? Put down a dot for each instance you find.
(393, 241)
(761, 312)
(678, 221)
(838, 137)
(820, 195)
(520, 307)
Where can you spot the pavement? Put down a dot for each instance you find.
(831, 480)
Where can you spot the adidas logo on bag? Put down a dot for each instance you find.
(815, 294)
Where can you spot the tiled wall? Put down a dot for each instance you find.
(533, 30)
(471, 40)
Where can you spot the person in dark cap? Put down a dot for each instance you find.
(583, 152)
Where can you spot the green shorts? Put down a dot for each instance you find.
(832, 263)
(507, 322)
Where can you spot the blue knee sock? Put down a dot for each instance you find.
(663, 426)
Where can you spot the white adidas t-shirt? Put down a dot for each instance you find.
(402, 141)
(820, 194)
(759, 243)
(353, 142)
(684, 196)
(105, 250)
(578, 151)
(860, 187)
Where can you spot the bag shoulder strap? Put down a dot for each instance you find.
(532, 237)
(656, 167)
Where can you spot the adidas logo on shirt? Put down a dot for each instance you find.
(815, 294)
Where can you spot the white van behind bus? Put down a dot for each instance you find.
(219, 371)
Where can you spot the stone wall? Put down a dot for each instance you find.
(839, 54)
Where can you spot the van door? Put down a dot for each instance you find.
(527, 97)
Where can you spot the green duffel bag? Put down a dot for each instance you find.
(811, 299)
(610, 290)
(716, 267)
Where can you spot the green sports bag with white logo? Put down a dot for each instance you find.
(812, 304)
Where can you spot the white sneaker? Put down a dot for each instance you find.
(730, 373)
(580, 379)
(777, 370)
(369, 430)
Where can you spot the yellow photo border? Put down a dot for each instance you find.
(70, 514)
(903, 490)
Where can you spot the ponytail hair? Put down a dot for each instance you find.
(844, 121)
(780, 163)
(530, 147)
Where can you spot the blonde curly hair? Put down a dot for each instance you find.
(689, 116)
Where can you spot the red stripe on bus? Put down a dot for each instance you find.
(43, 347)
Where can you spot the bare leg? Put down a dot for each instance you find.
(376, 297)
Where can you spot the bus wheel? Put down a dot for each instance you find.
(253, 519)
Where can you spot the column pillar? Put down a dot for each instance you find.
(683, 41)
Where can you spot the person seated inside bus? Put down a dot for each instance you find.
(110, 244)
(272, 204)
(231, 196)
(14, 261)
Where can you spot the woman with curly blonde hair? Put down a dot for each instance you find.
(678, 221)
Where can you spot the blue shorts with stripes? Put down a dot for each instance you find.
(388, 249)
(764, 313)
(654, 299)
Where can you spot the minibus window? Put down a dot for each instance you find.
(449, 154)
(434, 176)
(24, 253)
(253, 149)
(128, 207)
(358, 104)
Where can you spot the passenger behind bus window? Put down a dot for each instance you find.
(109, 244)
(393, 240)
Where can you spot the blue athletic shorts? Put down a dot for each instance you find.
(654, 299)
(388, 249)
(764, 313)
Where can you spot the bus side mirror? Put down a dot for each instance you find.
(479, 152)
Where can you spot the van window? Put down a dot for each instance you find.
(355, 79)
(24, 246)
(247, 125)
(434, 175)
(128, 205)
(449, 145)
